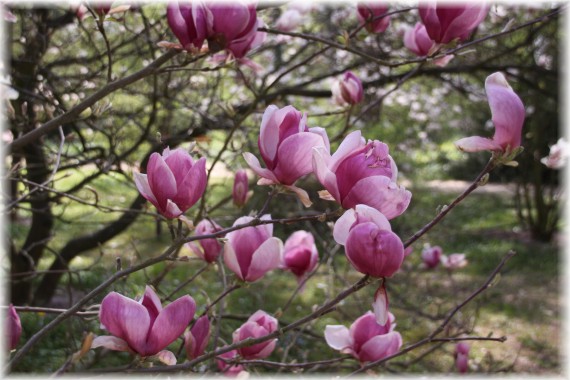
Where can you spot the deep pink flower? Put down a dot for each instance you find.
(230, 370)
(226, 26)
(446, 22)
(347, 90)
(173, 183)
(143, 327)
(285, 143)
(300, 254)
(366, 340)
(417, 40)
(240, 191)
(361, 173)
(369, 9)
(431, 256)
(196, 340)
(206, 249)
(14, 327)
(251, 252)
(508, 115)
(258, 325)
(462, 357)
(370, 245)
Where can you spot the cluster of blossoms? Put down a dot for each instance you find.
(433, 256)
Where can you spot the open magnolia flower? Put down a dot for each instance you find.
(143, 327)
(508, 116)
(446, 22)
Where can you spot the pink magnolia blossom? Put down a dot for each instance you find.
(446, 22)
(361, 173)
(174, 181)
(300, 254)
(462, 357)
(558, 156)
(258, 325)
(196, 340)
(347, 90)
(226, 26)
(285, 143)
(454, 261)
(230, 370)
(381, 304)
(143, 327)
(417, 40)
(206, 249)
(240, 191)
(508, 116)
(13, 328)
(366, 339)
(431, 256)
(251, 252)
(369, 9)
(370, 245)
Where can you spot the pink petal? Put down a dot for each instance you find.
(301, 194)
(111, 343)
(462, 25)
(381, 193)
(337, 337)
(172, 211)
(294, 156)
(126, 319)
(231, 260)
(269, 134)
(380, 346)
(477, 144)
(170, 324)
(152, 303)
(323, 133)
(192, 186)
(161, 180)
(253, 163)
(166, 357)
(141, 181)
(264, 259)
(380, 305)
(342, 226)
(326, 177)
(350, 143)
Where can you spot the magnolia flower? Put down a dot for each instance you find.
(558, 156)
(251, 252)
(370, 245)
(143, 327)
(174, 181)
(300, 254)
(206, 249)
(508, 115)
(368, 10)
(454, 261)
(361, 173)
(446, 22)
(347, 90)
(417, 40)
(226, 26)
(462, 357)
(240, 191)
(258, 325)
(366, 340)
(13, 327)
(196, 340)
(431, 256)
(285, 143)
(289, 20)
(230, 370)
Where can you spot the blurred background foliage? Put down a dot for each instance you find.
(61, 248)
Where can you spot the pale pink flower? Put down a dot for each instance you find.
(361, 173)
(196, 340)
(454, 261)
(558, 156)
(289, 20)
(446, 22)
(431, 256)
(347, 90)
(370, 245)
(508, 115)
(143, 327)
(230, 370)
(417, 40)
(285, 143)
(13, 327)
(251, 252)
(462, 357)
(258, 325)
(369, 9)
(173, 181)
(300, 254)
(206, 249)
(366, 339)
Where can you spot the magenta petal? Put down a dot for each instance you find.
(179, 162)
(353, 141)
(141, 181)
(170, 324)
(380, 346)
(126, 319)
(253, 163)
(161, 180)
(294, 156)
(381, 193)
(231, 261)
(264, 259)
(152, 303)
(192, 186)
(268, 134)
(477, 144)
